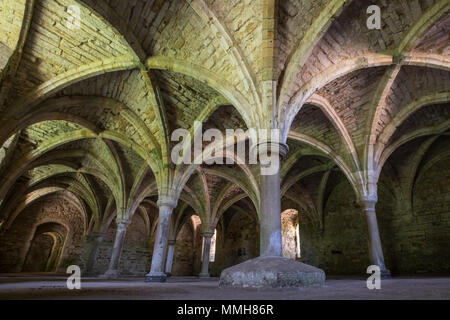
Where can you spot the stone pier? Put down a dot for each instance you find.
(271, 269)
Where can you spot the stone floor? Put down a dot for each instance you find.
(186, 288)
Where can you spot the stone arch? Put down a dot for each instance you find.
(209, 78)
(332, 73)
(37, 258)
(56, 208)
(421, 132)
(353, 178)
(187, 247)
(403, 115)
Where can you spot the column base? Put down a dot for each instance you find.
(386, 274)
(156, 277)
(91, 274)
(168, 274)
(110, 274)
(204, 275)
(272, 272)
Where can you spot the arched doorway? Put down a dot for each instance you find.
(291, 234)
(46, 248)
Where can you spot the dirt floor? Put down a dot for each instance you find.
(191, 288)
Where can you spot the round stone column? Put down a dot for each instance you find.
(271, 270)
(113, 269)
(270, 154)
(375, 249)
(96, 240)
(204, 273)
(170, 252)
(157, 274)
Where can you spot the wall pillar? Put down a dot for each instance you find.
(113, 269)
(55, 255)
(204, 273)
(170, 252)
(270, 202)
(156, 274)
(374, 240)
(95, 241)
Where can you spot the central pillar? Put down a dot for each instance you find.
(170, 252)
(96, 240)
(113, 269)
(270, 220)
(271, 269)
(375, 249)
(157, 274)
(206, 254)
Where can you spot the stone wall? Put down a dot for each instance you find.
(135, 260)
(341, 247)
(38, 254)
(57, 208)
(137, 251)
(184, 255)
(237, 243)
(419, 241)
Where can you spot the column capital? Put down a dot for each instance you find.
(97, 234)
(171, 242)
(168, 195)
(91, 237)
(207, 234)
(368, 203)
(264, 147)
(167, 201)
(122, 223)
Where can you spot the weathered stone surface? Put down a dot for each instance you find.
(93, 108)
(17, 242)
(272, 272)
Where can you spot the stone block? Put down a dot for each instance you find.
(272, 272)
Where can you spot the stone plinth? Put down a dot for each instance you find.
(156, 277)
(272, 272)
(110, 274)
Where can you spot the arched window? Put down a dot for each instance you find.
(291, 234)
